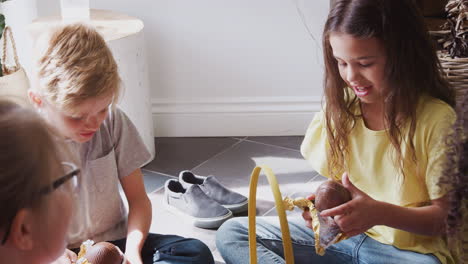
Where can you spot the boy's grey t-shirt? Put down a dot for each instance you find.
(115, 151)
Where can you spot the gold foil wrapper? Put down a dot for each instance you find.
(326, 231)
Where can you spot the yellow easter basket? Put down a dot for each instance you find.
(287, 245)
(282, 205)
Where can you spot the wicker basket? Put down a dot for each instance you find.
(456, 71)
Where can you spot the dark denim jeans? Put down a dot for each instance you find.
(171, 249)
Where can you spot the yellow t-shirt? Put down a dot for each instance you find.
(371, 168)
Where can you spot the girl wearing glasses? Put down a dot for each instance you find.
(76, 91)
(35, 186)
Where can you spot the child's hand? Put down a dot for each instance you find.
(356, 216)
(306, 214)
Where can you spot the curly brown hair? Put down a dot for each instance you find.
(455, 179)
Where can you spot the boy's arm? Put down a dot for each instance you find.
(362, 213)
(139, 216)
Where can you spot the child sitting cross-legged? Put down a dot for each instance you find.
(76, 89)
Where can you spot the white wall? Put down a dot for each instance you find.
(224, 68)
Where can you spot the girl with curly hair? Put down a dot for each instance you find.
(455, 180)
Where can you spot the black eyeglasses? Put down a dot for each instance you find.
(57, 183)
(72, 175)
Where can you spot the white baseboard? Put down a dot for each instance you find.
(241, 116)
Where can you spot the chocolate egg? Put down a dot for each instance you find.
(104, 253)
(330, 194)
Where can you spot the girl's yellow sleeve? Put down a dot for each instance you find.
(315, 144)
(437, 149)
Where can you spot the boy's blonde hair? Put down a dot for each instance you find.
(76, 65)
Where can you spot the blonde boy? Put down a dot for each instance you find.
(76, 88)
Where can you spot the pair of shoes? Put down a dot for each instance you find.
(202, 200)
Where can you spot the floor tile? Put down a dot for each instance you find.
(176, 154)
(233, 168)
(292, 142)
(240, 137)
(154, 180)
(217, 257)
(263, 206)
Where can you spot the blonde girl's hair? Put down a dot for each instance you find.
(75, 64)
(29, 160)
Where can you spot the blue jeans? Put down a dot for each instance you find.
(171, 249)
(232, 243)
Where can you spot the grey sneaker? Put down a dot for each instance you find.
(212, 187)
(194, 205)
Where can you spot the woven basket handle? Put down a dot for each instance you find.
(7, 33)
(287, 245)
